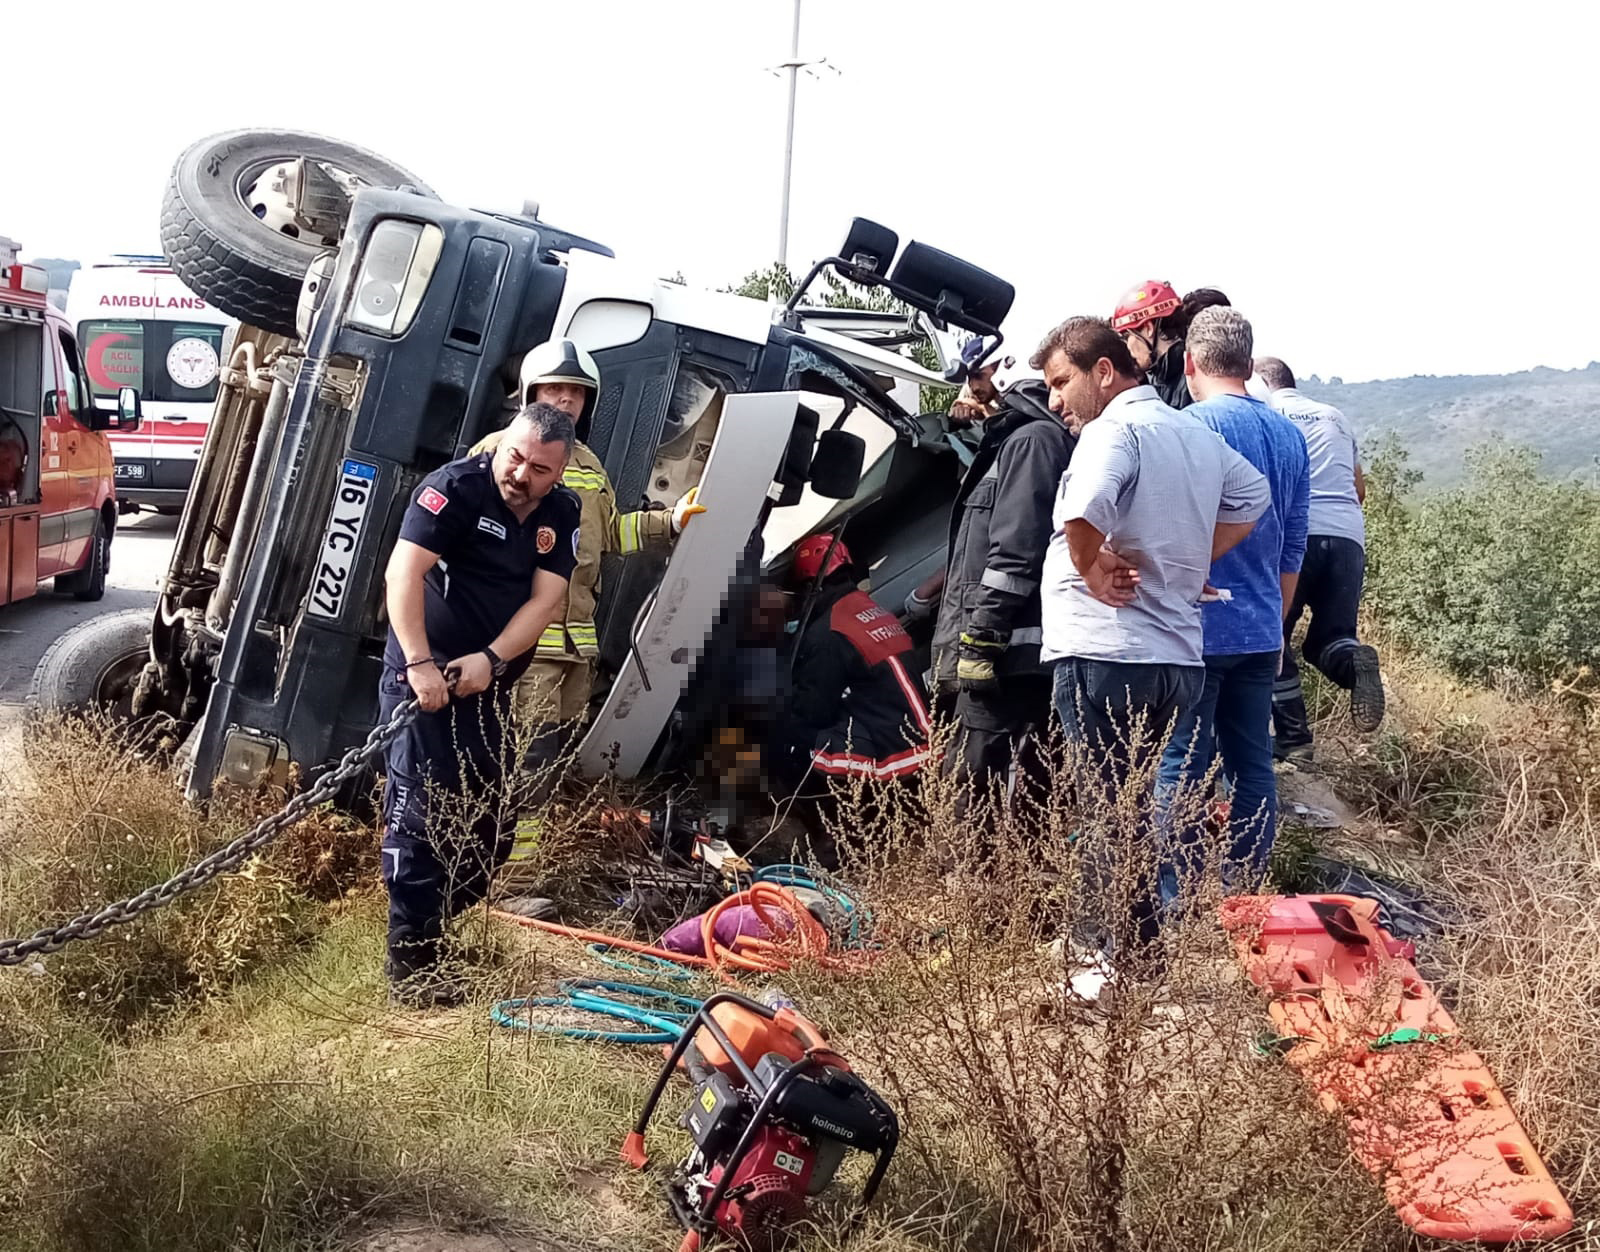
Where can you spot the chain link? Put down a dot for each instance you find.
(224, 859)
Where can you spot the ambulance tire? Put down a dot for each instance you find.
(221, 250)
(92, 668)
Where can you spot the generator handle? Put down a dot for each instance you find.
(633, 1146)
(885, 1155)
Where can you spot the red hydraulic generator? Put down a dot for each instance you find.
(774, 1111)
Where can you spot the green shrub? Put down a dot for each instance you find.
(1493, 579)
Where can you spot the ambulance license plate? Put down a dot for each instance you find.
(350, 500)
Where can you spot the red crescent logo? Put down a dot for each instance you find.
(95, 360)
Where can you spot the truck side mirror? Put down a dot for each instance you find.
(796, 467)
(836, 467)
(129, 413)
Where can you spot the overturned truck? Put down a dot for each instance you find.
(381, 332)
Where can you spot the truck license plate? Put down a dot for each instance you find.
(126, 470)
(350, 500)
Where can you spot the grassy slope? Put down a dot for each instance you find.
(229, 1076)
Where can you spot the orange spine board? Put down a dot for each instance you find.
(1422, 1110)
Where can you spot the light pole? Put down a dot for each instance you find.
(792, 66)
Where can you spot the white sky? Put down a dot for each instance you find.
(1383, 188)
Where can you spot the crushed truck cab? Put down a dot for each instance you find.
(381, 339)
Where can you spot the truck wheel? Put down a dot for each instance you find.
(89, 583)
(226, 233)
(93, 667)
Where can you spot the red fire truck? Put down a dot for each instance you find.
(58, 508)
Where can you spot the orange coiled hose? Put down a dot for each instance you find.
(804, 937)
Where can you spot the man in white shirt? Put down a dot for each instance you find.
(1331, 578)
(1151, 498)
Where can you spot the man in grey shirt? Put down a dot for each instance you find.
(1138, 522)
(1151, 498)
(1334, 569)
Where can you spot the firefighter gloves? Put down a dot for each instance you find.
(976, 656)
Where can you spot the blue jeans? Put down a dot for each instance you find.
(1232, 719)
(1097, 702)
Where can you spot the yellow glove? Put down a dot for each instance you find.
(685, 508)
(975, 675)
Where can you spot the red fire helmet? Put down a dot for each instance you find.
(1148, 302)
(808, 557)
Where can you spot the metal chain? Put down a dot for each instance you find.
(224, 859)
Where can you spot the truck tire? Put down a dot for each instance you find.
(89, 583)
(92, 668)
(217, 245)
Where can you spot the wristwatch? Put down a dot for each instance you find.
(497, 667)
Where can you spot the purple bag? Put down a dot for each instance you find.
(743, 920)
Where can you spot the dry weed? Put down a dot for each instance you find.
(285, 1109)
(1141, 1120)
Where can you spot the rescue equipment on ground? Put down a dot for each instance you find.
(662, 1015)
(774, 1112)
(1422, 1110)
(764, 928)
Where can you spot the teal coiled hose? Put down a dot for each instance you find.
(664, 1013)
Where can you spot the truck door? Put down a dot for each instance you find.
(54, 485)
(80, 456)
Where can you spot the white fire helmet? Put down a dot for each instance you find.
(561, 361)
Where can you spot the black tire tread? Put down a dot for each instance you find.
(235, 284)
(241, 286)
(60, 680)
(90, 582)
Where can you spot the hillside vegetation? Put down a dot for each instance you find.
(1554, 412)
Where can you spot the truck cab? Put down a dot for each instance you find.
(58, 506)
(389, 344)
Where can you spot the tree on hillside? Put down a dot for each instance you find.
(1493, 578)
(777, 283)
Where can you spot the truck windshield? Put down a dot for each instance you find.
(169, 362)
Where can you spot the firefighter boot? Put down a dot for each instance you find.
(1366, 692)
(1291, 728)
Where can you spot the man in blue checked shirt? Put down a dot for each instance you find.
(1244, 634)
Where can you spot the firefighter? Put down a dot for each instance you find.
(480, 568)
(854, 708)
(986, 641)
(552, 698)
(979, 397)
(1153, 321)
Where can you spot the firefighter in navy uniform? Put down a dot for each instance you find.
(986, 641)
(855, 707)
(552, 697)
(480, 569)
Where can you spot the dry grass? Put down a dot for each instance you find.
(225, 1075)
(1145, 1120)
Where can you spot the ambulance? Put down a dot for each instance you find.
(141, 327)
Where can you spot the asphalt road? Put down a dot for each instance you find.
(139, 556)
